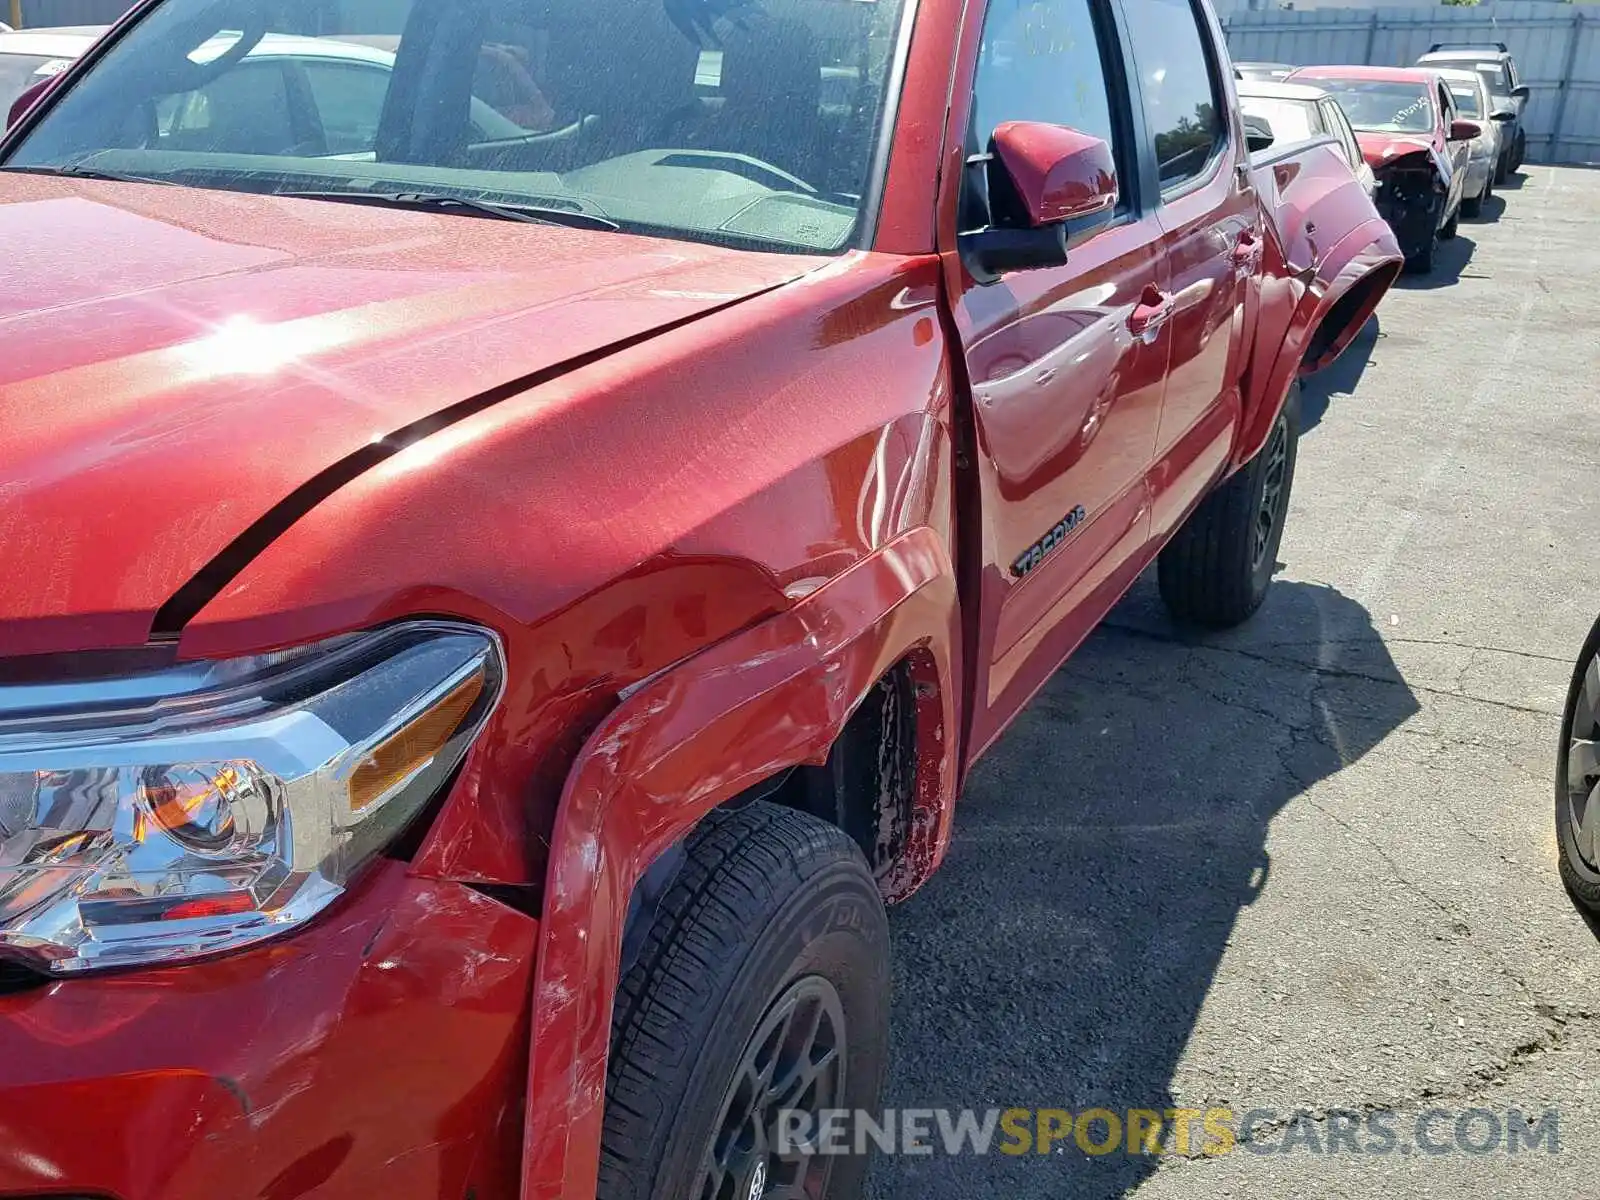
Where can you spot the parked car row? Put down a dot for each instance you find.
(1434, 138)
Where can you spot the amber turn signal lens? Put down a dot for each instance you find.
(415, 745)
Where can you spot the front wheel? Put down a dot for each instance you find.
(1420, 260)
(760, 999)
(1451, 226)
(1217, 568)
(1578, 779)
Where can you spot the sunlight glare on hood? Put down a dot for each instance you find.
(244, 346)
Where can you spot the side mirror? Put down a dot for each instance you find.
(26, 101)
(1464, 131)
(1257, 133)
(1058, 173)
(1039, 177)
(1521, 92)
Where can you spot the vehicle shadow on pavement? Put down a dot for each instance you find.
(1340, 378)
(1102, 852)
(1449, 261)
(1493, 209)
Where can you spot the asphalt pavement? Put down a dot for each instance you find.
(1308, 866)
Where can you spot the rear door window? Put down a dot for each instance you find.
(348, 98)
(1333, 117)
(1178, 84)
(245, 110)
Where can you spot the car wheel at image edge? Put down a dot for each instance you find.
(1217, 568)
(1578, 780)
(762, 986)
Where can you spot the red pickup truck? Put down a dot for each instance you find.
(512, 544)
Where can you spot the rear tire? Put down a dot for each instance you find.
(763, 985)
(1451, 227)
(1217, 569)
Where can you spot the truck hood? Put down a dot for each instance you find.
(1380, 149)
(177, 362)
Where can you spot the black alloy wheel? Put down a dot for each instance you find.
(1578, 779)
(1274, 497)
(794, 1063)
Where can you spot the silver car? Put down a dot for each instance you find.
(1474, 103)
(1297, 111)
(1494, 63)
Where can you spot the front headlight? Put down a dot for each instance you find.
(157, 817)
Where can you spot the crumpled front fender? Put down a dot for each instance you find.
(1369, 255)
(773, 697)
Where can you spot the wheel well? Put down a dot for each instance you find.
(1345, 319)
(868, 786)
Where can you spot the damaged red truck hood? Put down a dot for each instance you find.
(177, 362)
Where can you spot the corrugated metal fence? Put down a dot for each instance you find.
(39, 13)
(1557, 47)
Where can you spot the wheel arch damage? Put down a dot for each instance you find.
(761, 711)
(1320, 313)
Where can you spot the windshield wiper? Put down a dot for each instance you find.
(535, 213)
(77, 172)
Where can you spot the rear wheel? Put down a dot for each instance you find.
(1519, 153)
(1578, 779)
(1218, 567)
(1451, 226)
(762, 990)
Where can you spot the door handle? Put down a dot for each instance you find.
(1152, 311)
(1247, 253)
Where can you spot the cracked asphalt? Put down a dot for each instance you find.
(1309, 865)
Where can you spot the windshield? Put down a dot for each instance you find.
(1289, 120)
(1466, 98)
(745, 124)
(19, 72)
(1494, 78)
(1381, 107)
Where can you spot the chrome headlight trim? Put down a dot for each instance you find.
(199, 808)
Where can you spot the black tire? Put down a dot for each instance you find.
(1582, 877)
(1420, 260)
(1472, 206)
(1519, 154)
(770, 904)
(1452, 226)
(1218, 567)
(1502, 167)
